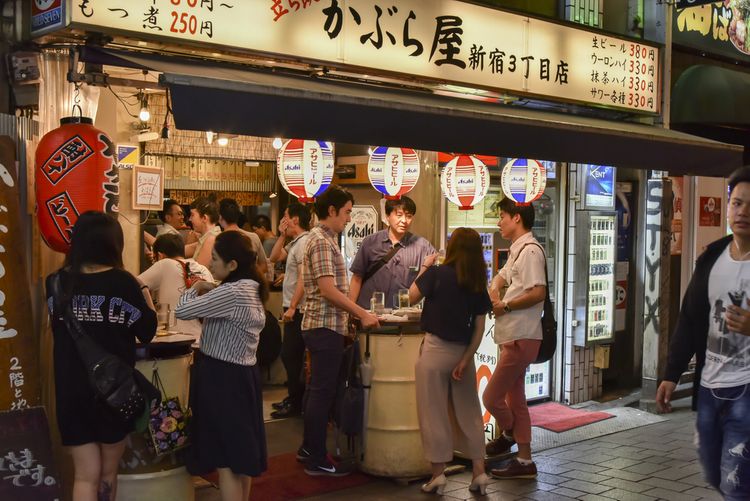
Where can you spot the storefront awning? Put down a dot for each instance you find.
(712, 95)
(238, 101)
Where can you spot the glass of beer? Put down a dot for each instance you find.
(377, 302)
(403, 298)
(440, 257)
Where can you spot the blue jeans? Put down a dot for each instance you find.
(724, 439)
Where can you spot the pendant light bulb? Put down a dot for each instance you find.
(222, 141)
(144, 114)
(277, 144)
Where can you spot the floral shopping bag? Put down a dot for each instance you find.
(167, 424)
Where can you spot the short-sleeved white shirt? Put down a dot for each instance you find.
(295, 256)
(166, 279)
(523, 271)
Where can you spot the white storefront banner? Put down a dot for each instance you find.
(447, 41)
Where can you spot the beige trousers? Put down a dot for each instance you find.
(450, 416)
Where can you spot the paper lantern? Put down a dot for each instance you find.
(393, 171)
(75, 171)
(465, 181)
(305, 168)
(523, 180)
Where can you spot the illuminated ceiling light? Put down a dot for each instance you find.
(209, 137)
(144, 114)
(277, 143)
(222, 140)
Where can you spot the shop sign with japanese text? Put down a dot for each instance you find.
(717, 27)
(446, 40)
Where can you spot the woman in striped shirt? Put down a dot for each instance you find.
(227, 427)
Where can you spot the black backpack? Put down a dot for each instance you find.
(269, 342)
(549, 324)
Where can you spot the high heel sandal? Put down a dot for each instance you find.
(479, 484)
(436, 484)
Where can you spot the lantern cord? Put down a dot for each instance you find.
(77, 100)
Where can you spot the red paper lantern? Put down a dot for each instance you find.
(75, 171)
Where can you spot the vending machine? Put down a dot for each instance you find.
(596, 241)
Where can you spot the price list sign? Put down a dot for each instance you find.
(446, 42)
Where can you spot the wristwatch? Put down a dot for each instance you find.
(506, 308)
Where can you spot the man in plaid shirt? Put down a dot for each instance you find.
(324, 325)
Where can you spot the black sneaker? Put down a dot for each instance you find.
(302, 454)
(328, 468)
(280, 405)
(286, 412)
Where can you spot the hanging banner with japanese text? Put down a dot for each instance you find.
(717, 27)
(447, 41)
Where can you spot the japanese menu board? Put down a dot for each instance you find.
(448, 41)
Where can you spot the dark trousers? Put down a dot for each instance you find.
(293, 356)
(326, 351)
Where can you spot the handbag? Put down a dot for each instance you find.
(350, 408)
(118, 385)
(549, 324)
(167, 425)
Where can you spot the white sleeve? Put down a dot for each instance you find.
(530, 267)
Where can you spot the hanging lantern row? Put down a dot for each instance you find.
(465, 181)
(393, 171)
(523, 180)
(75, 171)
(305, 168)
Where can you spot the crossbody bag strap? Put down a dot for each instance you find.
(381, 262)
(64, 310)
(546, 276)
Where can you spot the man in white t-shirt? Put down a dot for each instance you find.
(294, 226)
(518, 331)
(166, 278)
(714, 326)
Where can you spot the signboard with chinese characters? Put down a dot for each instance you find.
(448, 41)
(26, 468)
(715, 27)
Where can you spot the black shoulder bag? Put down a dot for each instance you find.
(122, 388)
(549, 324)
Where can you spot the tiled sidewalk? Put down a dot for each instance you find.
(655, 462)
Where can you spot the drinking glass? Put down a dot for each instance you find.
(377, 302)
(440, 257)
(403, 298)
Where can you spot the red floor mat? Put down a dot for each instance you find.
(558, 418)
(286, 479)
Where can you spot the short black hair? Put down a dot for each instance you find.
(206, 206)
(170, 245)
(296, 209)
(334, 196)
(262, 221)
(168, 204)
(741, 175)
(404, 203)
(230, 211)
(525, 211)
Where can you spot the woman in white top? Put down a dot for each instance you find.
(227, 426)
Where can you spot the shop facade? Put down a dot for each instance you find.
(445, 77)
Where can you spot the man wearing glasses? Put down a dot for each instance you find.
(173, 219)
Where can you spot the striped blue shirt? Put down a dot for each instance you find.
(398, 273)
(233, 316)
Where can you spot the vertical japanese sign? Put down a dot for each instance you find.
(448, 41)
(19, 377)
(26, 468)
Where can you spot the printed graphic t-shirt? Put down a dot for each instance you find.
(727, 353)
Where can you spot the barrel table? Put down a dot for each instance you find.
(392, 442)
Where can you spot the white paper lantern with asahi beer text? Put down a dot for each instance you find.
(465, 181)
(523, 180)
(393, 171)
(305, 168)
